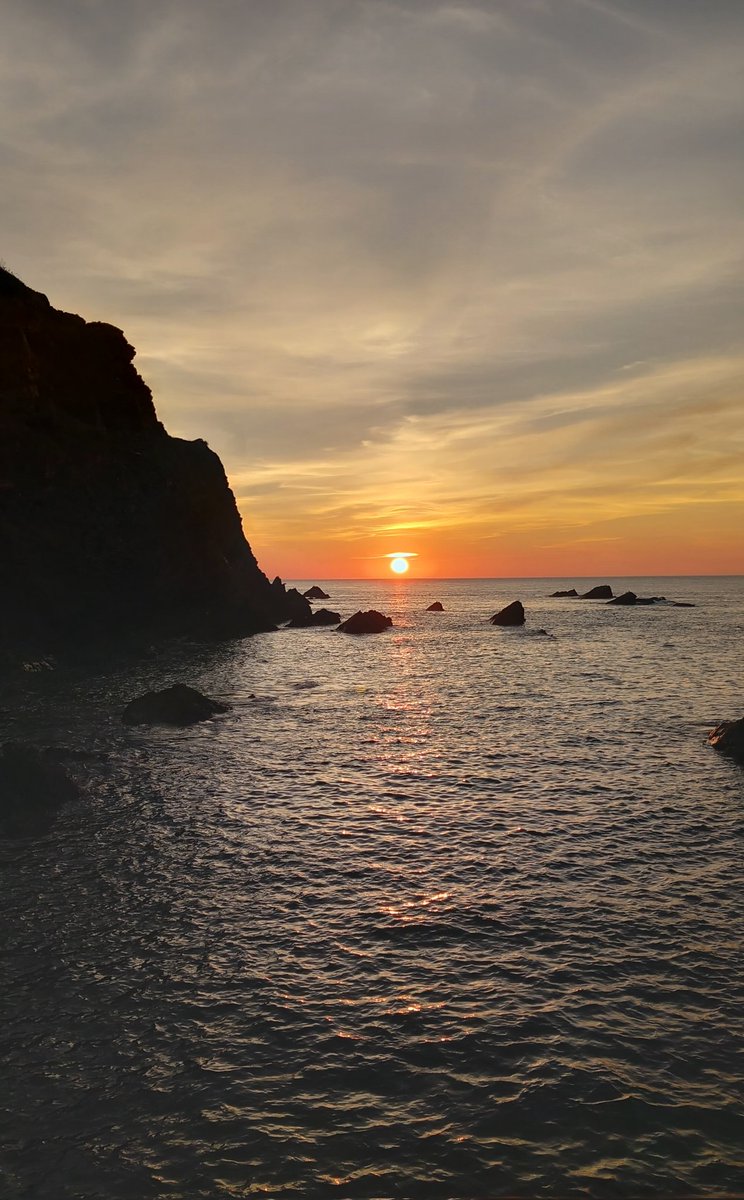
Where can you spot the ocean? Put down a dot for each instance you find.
(452, 911)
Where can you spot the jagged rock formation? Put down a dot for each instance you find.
(603, 591)
(324, 616)
(371, 621)
(729, 737)
(316, 593)
(437, 606)
(177, 705)
(570, 592)
(513, 614)
(108, 524)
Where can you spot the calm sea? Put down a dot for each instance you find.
(454, 911)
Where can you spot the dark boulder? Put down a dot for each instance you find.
(366, 622)
(316, 593)
(435, 607)
(729, 738)
(570, 592)
(32, 790)
(177, 705)
(682, 604)
(626, 598)
(603, 591)
(323, 616)
(513, 614)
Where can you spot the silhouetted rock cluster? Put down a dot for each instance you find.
(570, 592)
(316, 593)
(323, 616)
(177, 705)
(513, 614)
(107, 524)
(729, 738)
(603, 591)
(32, 791)
(366, 622)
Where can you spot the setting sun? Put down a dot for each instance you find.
(399, 565)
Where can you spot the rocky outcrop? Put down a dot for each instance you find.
(729, 738)
(570, 592)
(436, 607)
(603, 591)
(316, 593)
(513, 614)
(177, 705)
(32, 791)
(366, 622)
(625, 598)
(323, 616)
(107, 524)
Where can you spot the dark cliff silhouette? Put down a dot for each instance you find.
(107, 524)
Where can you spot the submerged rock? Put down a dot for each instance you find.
(32, 791)
(323, 616)
(366, 622)
(435, 607)
(570, 592)
(177, 705)
(603, 591)
(316, 593)
(729, 738)
(513, 614)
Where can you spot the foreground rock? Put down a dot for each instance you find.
(316, 593)
(513, 614)
(366, 622)
(729, 738)
(32, 791)
(435, 607)
(177, 705)
(323, 616)
(110, 527)
(570, 592)
(602, 592)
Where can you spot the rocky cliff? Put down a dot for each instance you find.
(107, 523)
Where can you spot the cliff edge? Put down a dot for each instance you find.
(108, 524)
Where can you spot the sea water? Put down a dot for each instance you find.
(452, 911)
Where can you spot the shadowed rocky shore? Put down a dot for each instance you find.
(109, 526)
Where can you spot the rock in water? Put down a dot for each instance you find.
(109, 526)
(435, 607)
(32, 791)
(177, 705)
(603, 591)
(323, 616)
(513, 614)
(729, 738)
(366, 622)
(570, 592)
(316, 593)
(626, 598)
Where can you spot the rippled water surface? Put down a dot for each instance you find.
(454, 911)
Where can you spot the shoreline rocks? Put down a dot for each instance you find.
(728, 737)
(32, 791)
(178, 705)
(323, 616)
(111, 527)
(602, 591)
(371, 621)
(513, 614)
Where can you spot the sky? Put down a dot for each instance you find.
(461, 278)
